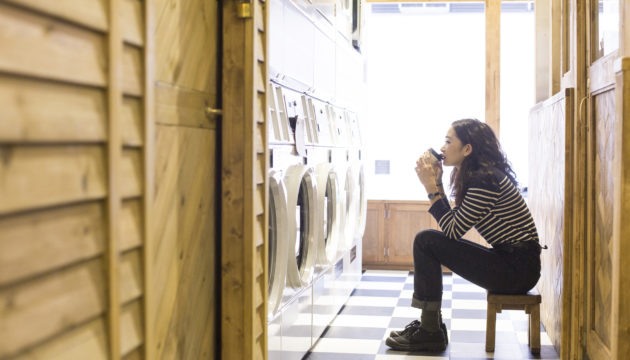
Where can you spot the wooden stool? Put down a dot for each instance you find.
(529, 302)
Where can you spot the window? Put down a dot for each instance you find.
(425, 68)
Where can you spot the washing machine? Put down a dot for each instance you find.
(278, 239)
(325, 302)
(291, 323)
(357, 170)
(278, 248)
(315, 204)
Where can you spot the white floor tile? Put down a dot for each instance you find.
(374, 285)
(325, 300)
(469, 304)
(361, 321)
(406, 294)
(295, 343)
(407, 312)
(372, 301)
(347, 346)
(468, 288)
(479, 325)
(395, 273)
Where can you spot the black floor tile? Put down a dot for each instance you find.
(469, 295)
(383, 293)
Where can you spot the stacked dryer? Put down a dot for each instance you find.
(316, 217)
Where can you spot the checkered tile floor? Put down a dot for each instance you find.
(381, 303)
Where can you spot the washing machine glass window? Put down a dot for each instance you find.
(301, 219)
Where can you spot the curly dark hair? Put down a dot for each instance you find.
(484, 160)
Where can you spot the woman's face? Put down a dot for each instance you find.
(453, 150)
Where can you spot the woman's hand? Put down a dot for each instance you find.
(429, 174)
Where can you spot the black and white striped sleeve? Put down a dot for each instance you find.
(476, 205)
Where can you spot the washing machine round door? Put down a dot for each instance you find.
(328, 196)
(278, 245)
(302, 218)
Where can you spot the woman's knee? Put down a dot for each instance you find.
(425, 237)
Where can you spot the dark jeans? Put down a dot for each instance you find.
(506, 270)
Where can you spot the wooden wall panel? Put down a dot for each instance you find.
(87, 341)
(35, 243)
(130, 276)
(35, 111)
(185, 260)
(621, 240)
(91, 13)
(130, 327)
(49, 305)
(132, 71)
(131, 220)
(40, 46)
(131, 173)
(131, 122)
(600, 284)
(244, 94)
(187, 51)
(71, 148)
(548, 126)
(132, 22)
(136, 354)
(41, 176)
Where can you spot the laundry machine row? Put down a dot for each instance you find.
(317, 211)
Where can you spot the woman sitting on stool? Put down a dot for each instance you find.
(486, 196)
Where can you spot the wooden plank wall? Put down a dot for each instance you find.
(185, 283)
(244, 190)
(550, 125)
(74, 149)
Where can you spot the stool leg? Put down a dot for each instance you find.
(534, 329)
(491, 319)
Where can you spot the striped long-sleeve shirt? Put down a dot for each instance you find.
(499, 213)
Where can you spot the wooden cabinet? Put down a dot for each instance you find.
(390, 230)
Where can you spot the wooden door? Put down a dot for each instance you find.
(184, 261)
(404, 221)
(373, 238)
(601, 192)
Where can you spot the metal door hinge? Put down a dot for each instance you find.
(244, 9)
